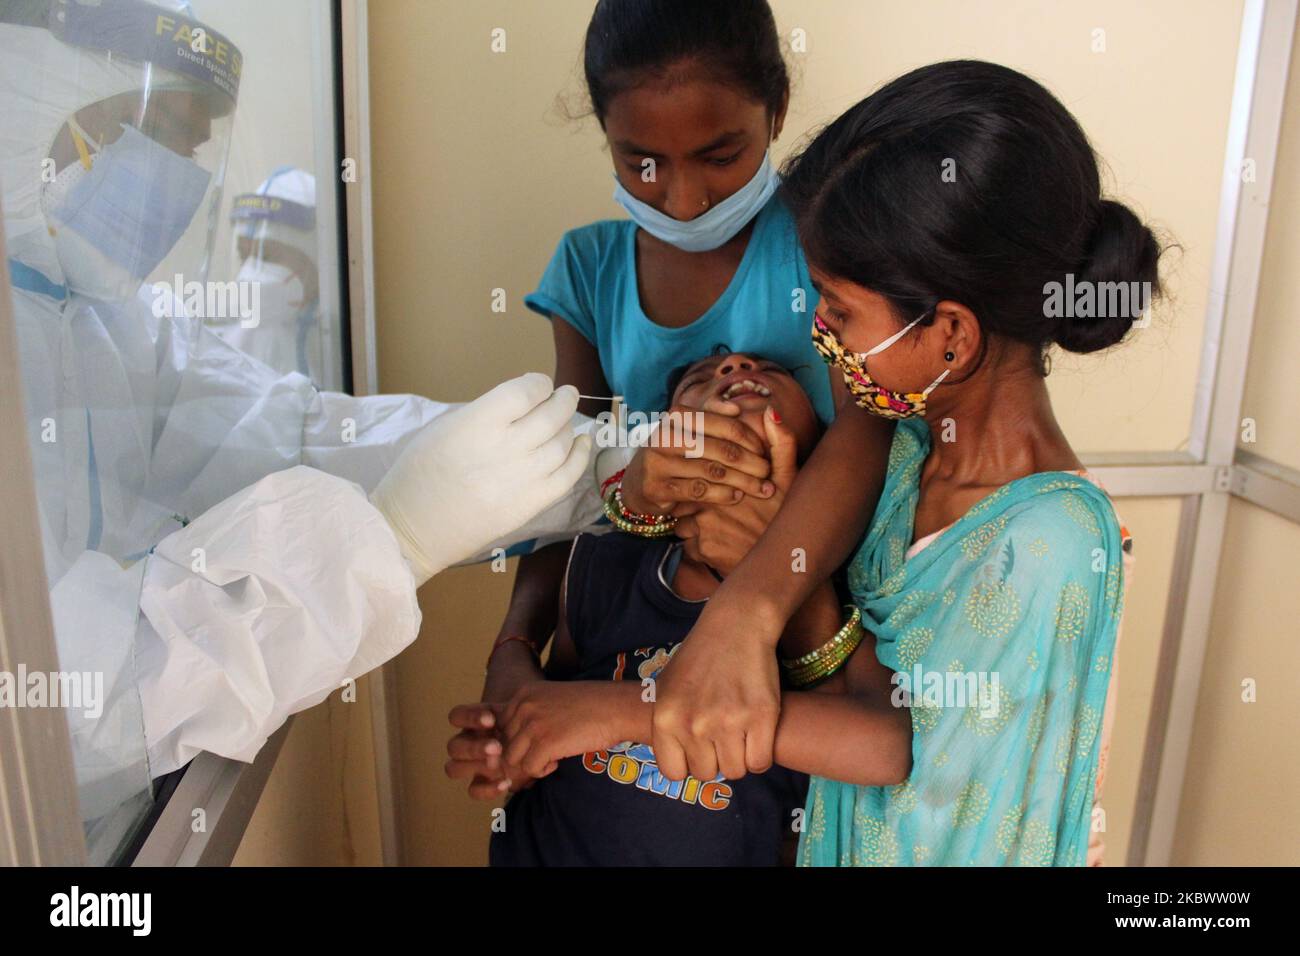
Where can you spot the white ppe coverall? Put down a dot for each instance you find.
(209, 539)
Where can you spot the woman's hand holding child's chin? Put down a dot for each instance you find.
(721, 536)
(717, 462)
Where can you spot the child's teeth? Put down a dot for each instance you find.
(746, 386)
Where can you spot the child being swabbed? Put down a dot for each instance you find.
(572, 742)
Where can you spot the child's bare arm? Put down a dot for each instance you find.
(475, 752)
(846, 728)
(577, 363)
(539, 576)
(532, 615)
(815, 623)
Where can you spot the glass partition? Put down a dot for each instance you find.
(169, 176)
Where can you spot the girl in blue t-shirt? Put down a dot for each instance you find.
(691, 96)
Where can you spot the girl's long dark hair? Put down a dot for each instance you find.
(735, 41)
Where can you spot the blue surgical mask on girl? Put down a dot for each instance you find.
(711, 229)
(119, 219)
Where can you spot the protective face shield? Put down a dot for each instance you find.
(274, 239)
(124, 108)
(282, 210)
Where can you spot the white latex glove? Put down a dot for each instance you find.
(482, 470)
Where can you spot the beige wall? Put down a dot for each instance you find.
(477, 174)
(1241, 799)
(462, 611)
(320, 806)
(1153, 523)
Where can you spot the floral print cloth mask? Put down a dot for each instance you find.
(867, 392)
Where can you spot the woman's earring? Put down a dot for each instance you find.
(949, 356)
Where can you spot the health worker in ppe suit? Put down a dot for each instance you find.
(275, 246)
(227, 539)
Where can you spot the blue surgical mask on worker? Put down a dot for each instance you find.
(710, 229)
(114, 222)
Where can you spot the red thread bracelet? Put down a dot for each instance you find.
(617, 476)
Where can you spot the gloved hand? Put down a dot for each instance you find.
(480, 471)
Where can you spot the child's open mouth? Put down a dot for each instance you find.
(743, 387)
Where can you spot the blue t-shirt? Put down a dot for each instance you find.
(766, 309)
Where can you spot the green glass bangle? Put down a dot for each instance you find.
(813, 673)
(851, 626)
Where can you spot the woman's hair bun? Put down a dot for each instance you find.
(1121, 267)
(971, 182)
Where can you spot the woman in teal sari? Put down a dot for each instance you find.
(1001, 627)
(956, 232)
(1014, 607)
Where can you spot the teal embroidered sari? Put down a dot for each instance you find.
(1002, 630)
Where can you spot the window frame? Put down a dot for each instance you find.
(40, 823)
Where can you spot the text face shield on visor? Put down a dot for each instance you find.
(137, 190)
(275, 237)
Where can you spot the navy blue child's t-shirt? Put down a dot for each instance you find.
(614, 808)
